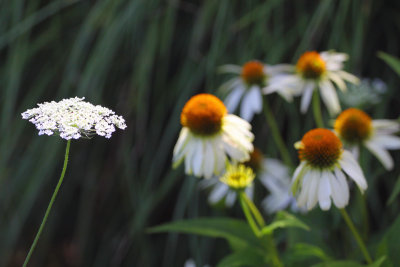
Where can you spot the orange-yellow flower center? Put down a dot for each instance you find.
(353, 125)
(255, 160)
(203, 114)
(253, 73)
(321, 148)
(310, 65)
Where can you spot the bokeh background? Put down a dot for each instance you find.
(144, 59)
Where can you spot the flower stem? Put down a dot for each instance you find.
(254, 217)
(33, 246)
(356, 236)
(256, 213)
(276, 134)
(317, 109)
(248, 215)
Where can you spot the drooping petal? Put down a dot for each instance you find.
(208, 159)
(348, 77)
(337, 80)
(232, 100)
(381, 153)
(198, 156)
(387, 141)
(385, 126)
(219, 191)
(251, 103)
(329, 97)
(338, 195)
(307, 95)
(353, 169)
(341, 178)
(304, 191)
(324, 192)
(312, 200)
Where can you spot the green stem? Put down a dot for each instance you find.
(276, 134)
(356, 236)
(317, 109)
(249, 217)
(49, 206)
(256, 213)
(253, 217)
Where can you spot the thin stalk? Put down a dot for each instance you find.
(253, 217)
(249, 217)
(276, 134)
(46, 215)
(356, 235)
(317, 109)
(256, 213)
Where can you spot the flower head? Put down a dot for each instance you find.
(245, 88)
(316, 71)
(356, 129)
(311, 65)
(238, 176)
(209, 135)
(320, 176)
(74, 118)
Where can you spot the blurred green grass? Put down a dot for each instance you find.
(144, 59)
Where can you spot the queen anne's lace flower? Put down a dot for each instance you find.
(74, 118)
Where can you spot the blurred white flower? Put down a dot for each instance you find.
(220, 191)
(274, 175)
(356, 128)
(319, 177)
(245, 88)
(316, 71)
(192, 263)
(73, 118)
(366, 93)
(209, 135)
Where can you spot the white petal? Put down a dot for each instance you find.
(337, 80)
(232, 100)
(208, 160)
(353, 169)
(230, 198)
(197, 159)
(304, 191)
(386, 126)
(381, 153)
(191, 149)
(341, 178)
(387, 141)
(218, 192)
(251, 103)
(313, 191)
(230, 84)
(324, 192)
(355, 151)
(306, 98)
(329, 96)
(348, 77)
(220, 157)
(337, 191)
(233, 151)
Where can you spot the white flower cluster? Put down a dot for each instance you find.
(74, 118)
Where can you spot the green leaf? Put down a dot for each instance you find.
(392, 61)
(246, 257)
(235, 231)
(389, 245)
(395, 192)
(303, 251)
(283, 220)
(349, 263)
(339, 264)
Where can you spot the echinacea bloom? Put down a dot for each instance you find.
(317, 71)
(356, 128)
(74, 118)
(246, 87)
(238, 176)
(320, 176)
(209, 135)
